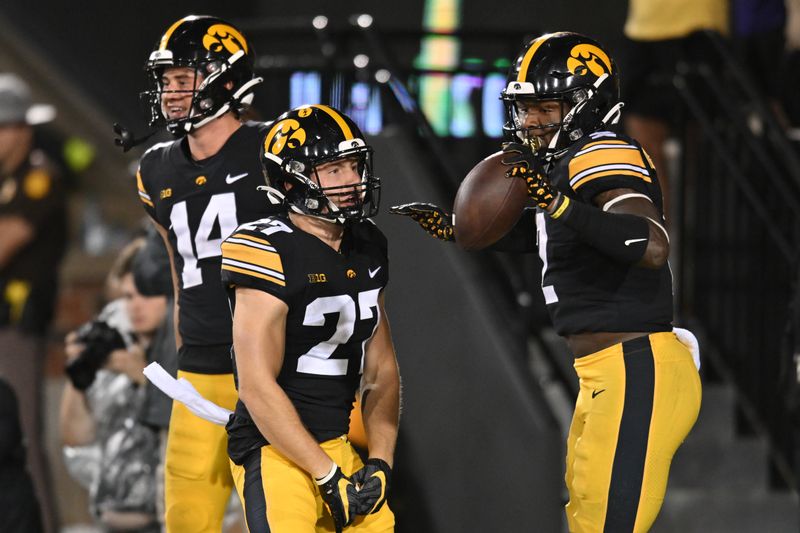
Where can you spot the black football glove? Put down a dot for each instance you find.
(524, 164)
(373, 485)
(338, 493)
(434, 220)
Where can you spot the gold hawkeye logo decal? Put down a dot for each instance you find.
(586, 58)
(221, 36)
(285, 133)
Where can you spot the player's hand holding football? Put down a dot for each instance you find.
(524, 164)
(434, 220)
(373, 485)
(339, 493)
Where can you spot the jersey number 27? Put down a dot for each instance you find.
(318, 359)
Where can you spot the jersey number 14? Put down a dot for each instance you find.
(222, 208)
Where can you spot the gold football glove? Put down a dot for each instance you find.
(373, 486)
(434, 220)
(338, 491)
(524, 164)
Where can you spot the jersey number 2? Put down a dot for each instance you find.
(220, 207)
(317, 360)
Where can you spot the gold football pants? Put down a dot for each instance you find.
(198, 474)
(279, 497)
(637, 402)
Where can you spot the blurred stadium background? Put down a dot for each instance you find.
(488, 387)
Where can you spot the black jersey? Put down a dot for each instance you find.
(585, 290)
(333, 312)
(201, 203)
(34, 192)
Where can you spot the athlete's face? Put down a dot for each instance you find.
(342, 175)
(146, 313)
(535, 115)
(177, 86)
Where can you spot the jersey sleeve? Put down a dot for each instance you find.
(152, 166)
(251, 260)
(144, 195)
(610, 163)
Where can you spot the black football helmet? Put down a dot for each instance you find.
(301, 140)
(219, 53)
(571, 68)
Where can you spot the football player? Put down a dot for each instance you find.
(307, 292)
(197, 190)
(606, 281)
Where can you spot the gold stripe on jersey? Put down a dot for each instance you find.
(348, 135)
(592, 146)
(252, 258)
(253, 254)
(250, 272)
(143, 196)
(606, 158)
(250, 238)
(608, 173)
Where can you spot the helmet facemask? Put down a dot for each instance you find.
(299, 187)
(299, 143)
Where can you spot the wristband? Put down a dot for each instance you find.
(562, 202)
(322, 480)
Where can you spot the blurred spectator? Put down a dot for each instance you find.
(32, 240)
(660, 34)
(20, 508)
(102, 404)
(758, 34)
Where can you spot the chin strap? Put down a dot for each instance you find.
(614, 114)
(274, 196)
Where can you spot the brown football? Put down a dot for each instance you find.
(487, 204)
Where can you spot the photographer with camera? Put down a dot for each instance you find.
(107, 447)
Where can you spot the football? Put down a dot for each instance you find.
(487, 204)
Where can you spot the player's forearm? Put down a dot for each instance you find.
(381, 413)
(176, 306)
(277, 419)
(623, 237)
(176, 311)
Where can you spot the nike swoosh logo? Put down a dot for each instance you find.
(596, 392)
(231, 179)
(373, 272)
(631, 241)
